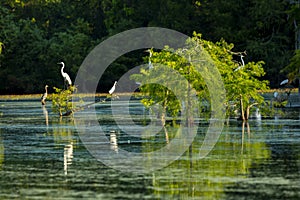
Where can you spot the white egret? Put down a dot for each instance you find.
(113, 88)
(150, 66)
(44, 96)
(243, 63)
(258, 114)
(284, 82)
(64, 74)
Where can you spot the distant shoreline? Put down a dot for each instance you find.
(38, 96)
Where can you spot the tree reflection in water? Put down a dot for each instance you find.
(243, 134)
(63, 136)
(229, 163)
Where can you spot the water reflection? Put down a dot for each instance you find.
(45, 112)
(41, 160)
(62, 130)
(113, 141)
(63, 134)
(68, 156)
(229, 162)
(243, 135)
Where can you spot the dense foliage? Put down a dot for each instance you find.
(37, 34)
(241, 80)
(62, 100)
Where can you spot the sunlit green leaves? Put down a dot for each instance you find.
(242, 82)
(62, 100)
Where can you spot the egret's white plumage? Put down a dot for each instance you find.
(44, 96)
(113, 88)
(150, 65)
(243, 63)
(284, 82)
(258, 114)
(64, 74)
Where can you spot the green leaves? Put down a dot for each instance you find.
(242, 81)
(62, 100)
(41, 33)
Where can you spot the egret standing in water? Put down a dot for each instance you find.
(66, 76)
(44, 96)
(113, 88)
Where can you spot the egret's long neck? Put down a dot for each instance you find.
(243, 63)
(62, 68)
(46, 89)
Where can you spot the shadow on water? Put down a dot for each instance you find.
(41, 156)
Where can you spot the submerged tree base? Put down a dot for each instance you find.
(76, 109)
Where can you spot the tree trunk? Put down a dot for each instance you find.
(248, 110)
(247, 113)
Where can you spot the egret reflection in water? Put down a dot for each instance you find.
(63, 136)
(68, 156)
(113, 141)
(45, 112)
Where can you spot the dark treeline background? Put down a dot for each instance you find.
(37, 34)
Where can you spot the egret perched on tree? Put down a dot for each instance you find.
(243, 63)
(150, 55)
(284, 82)
(44, 96)
(65, 75)
(113, 88)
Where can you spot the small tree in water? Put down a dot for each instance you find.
(62, 100)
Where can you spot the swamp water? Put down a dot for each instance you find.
(43, 157)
